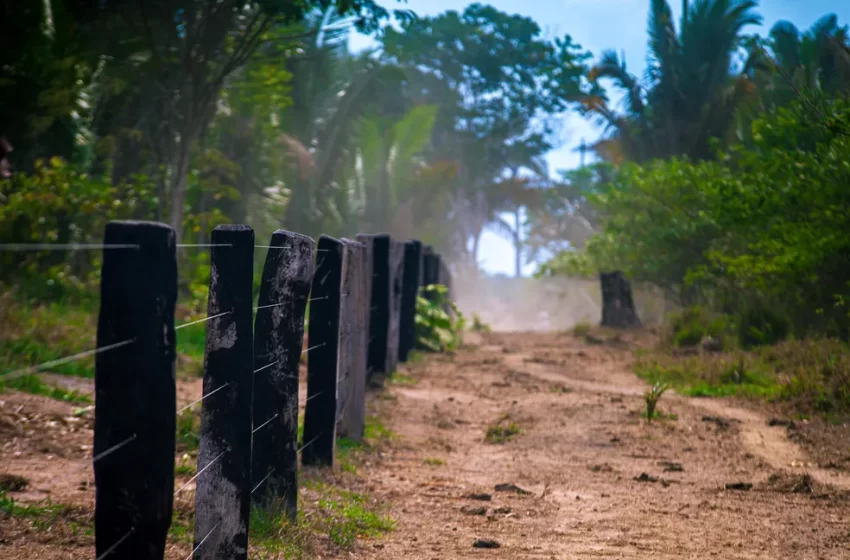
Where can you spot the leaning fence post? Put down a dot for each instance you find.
(321, 406)
(278, 342)
(135, 398)
(352, 349)
(222, 497)
(410, 289)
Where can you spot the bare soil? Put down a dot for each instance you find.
(585, 477)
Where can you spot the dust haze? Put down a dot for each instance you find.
(507, 303)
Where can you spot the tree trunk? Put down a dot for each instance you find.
(179, 184)
(618, 306)
(517, 243)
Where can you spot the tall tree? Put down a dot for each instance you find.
(497, 83)
(690, 96)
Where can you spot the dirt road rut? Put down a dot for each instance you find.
(591, 479)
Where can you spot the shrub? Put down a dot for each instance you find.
(761, 326)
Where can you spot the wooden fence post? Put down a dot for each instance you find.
(278, 343)
(352, 349)
(135, 393)
(223, 494)
(368, 276)
(396, 262)
(410, 290)
(321, 406)
(379, 309)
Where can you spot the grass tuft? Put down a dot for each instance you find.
(502, 431)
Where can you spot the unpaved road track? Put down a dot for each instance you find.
(581, 445)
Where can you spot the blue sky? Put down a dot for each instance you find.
(598, 25)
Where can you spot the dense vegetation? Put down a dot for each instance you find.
(732, 196)
(721, 179)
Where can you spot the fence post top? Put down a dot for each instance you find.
(292, 235)
(233, 227)
(139, 223)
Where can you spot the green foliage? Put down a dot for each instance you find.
(502, 431)
(188, 431)
(478, 325)
(689, 326)
(651, 396)
(760, 326)
(34, 385)
(764, 228)
(344, 516)
(437, 329)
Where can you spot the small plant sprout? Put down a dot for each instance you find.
(651, 396)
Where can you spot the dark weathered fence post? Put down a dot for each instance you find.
(278, 343)
(135, 394)
(368, 276)
(321, 406)
(352, 349)
(410, 289)
(379, 308)
(223, 495)
(396, 263)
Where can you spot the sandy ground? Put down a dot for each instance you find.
(580, 454)
(591, 478)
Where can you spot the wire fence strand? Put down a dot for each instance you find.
(27, 247)
(112, 548)
(116, 447)
(204, 320)
(267, 366)
(194, 550)
(264, 424)
(314, 347)
(193, 403)
(309, 443)
(33, 369)
(262, 481)
(200, 472)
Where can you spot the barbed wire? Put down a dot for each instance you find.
(314, 347)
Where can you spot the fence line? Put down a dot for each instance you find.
(362, 298)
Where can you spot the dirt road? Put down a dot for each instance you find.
(591, 479)
(600, 482)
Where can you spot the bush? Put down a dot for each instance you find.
(436, 329)
(760, 326)
(689, 326)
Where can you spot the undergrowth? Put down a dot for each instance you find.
(811, 375)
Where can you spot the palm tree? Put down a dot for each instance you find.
(688, 95)
(331, 91)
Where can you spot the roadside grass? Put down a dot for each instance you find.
(40, 333)
(399, 378)
(34, 385)
(811, 376)
(502, 431)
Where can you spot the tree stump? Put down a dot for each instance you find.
(618, 306)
